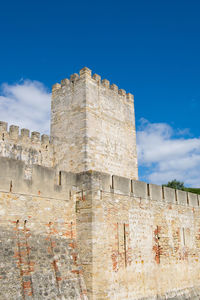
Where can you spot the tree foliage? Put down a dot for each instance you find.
(174, 184)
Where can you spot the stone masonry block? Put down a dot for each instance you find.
(181, 197)
(156, 192)
(121, 184)
(43, 180)
(192, 199)
(169, 195)
(139, 188)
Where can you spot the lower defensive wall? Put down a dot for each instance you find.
(95, 236)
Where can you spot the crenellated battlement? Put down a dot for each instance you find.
(24, 134)
(32, 148)
(86, 73)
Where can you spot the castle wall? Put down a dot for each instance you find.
(95, 236)
(93, 126)
(69, 229)
(145, 240)
(38, 253)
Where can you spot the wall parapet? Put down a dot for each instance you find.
(19, 144)
(42, 181)
(139, 189)
(164, 194)
(24, 134)
(48, 182)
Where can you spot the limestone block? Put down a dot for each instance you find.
(3, 126)
(156, 192)
(25, 133)
(121, 185)
(169, 195)
(192, 199)
(139, 188)
(14, 131)
(43, 180)
(181, 197)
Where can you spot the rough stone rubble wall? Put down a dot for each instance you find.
(38, 244)
(143, 241)
(93, 126)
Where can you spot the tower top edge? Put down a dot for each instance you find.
(86, 74)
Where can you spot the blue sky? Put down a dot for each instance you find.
(148, 48)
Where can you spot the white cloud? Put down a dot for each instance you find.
(26, 104)
(165, 156)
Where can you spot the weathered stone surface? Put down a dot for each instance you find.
(94, 243)
(93, 127)
(38, 249)
(74, 221)
(31, 150)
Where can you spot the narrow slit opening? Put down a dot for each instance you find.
(187, 199)
(163, 192)
(148, 189)
(60, 179)
(183, 231)
(125, 259)
(176, 198)
(112, 183)
(11, 186)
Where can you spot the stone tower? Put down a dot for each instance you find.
(93, 126)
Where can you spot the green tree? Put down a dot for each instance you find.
(174, 184)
